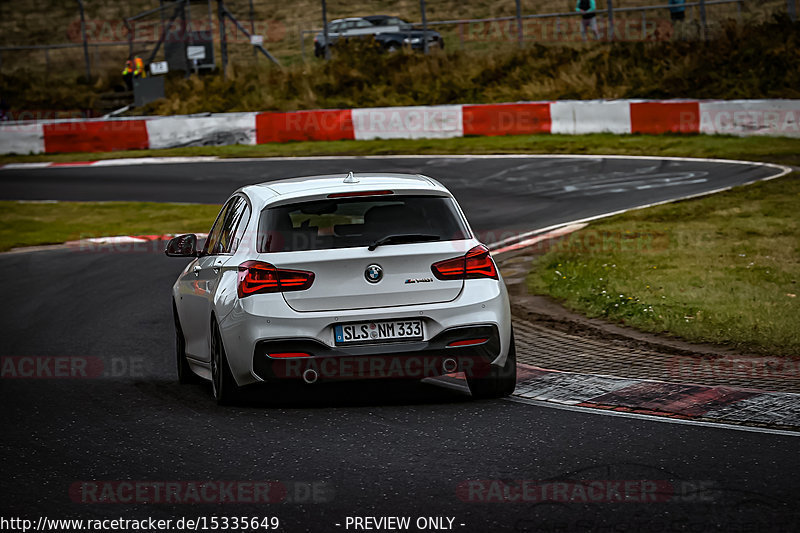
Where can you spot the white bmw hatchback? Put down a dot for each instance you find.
(341, 277)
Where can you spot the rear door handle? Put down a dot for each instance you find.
(217, 267)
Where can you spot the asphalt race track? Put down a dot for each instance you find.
(344, 450)
(505, 193)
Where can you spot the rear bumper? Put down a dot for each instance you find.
(395, 360)
(262, 323)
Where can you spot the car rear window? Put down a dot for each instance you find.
(353, 222)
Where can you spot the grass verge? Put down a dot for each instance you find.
(37, 223)
(782, 150)
(721, 269)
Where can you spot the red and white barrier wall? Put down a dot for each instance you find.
(728, 117)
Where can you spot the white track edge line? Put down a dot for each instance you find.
(217, 159)
(784, 170)
(652, 418)
(595, 411)
(530, 367)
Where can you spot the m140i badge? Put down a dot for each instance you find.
(419, 280)
(373, 273)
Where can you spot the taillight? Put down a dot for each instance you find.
(477, 263)
(480, 263)
(257, 277)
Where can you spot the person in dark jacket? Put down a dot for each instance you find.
(589, 17)
(127, 74)
(678, 10)
(4, 107)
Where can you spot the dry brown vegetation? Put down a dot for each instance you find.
(760, 60)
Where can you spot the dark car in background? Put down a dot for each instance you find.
(392, 33)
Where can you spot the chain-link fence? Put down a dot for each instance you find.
(54, 41)
(89, 40)
(616, 20)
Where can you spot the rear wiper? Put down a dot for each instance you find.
(404, 238)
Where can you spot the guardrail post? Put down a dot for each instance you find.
(162, 14)
(792, 11)
(644, 25)
(424, 27)
(223, 41)
(327, 48)
(186, 20)
(519, 24)
(703, 20)
(252, 24)
(610, 20)
(85, 45)
(210, 24)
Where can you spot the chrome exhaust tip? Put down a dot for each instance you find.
(310, 376)
(449, 365)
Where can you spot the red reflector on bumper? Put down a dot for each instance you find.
(468, 342)
(288, 355)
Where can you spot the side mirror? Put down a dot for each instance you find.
(182, 246)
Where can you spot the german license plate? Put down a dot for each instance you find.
(378, 331)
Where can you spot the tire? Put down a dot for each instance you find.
(498, 381)
(185, 374)
(393, 47)
(223, 386)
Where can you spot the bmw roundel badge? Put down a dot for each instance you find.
(373, 273)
